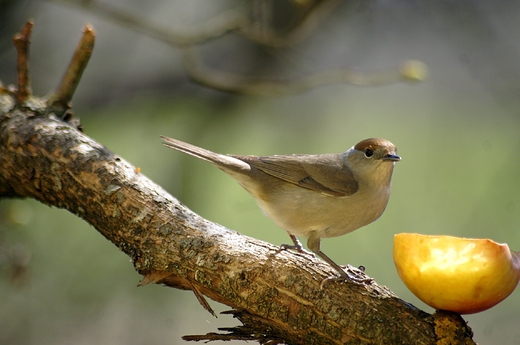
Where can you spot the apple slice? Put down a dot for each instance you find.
(462, 275)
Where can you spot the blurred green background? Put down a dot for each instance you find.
(458, 133)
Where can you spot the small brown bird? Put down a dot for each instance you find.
(314, 196)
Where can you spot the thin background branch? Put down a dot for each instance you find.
(258, 30)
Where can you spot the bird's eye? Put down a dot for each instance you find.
(369, 153)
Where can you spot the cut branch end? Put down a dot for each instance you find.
(70, 80)
(22, 40)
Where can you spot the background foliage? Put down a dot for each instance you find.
(457, 133)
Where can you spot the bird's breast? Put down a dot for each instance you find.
(300, 211)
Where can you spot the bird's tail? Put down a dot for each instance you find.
(221, 161)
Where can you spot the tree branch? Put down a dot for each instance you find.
(276, 295)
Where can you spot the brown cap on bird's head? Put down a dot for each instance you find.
(379, 148)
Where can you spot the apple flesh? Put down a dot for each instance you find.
(456, 274)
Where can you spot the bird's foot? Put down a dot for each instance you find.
(296, 248)
(350, 274)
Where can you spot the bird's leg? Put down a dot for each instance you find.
(297, 246)
(314, 244)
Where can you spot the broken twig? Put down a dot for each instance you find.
(72, 76)
(22, 41)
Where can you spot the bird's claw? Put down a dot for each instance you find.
(296, 248)
(350, 274)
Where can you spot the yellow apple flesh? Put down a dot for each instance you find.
(457, 274)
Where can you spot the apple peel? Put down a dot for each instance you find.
(457, 274)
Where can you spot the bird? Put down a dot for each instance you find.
(312, 195)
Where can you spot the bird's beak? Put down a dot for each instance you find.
(392, 157)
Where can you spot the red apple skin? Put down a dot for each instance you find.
(456, 274)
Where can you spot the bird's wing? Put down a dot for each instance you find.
(325, 174)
